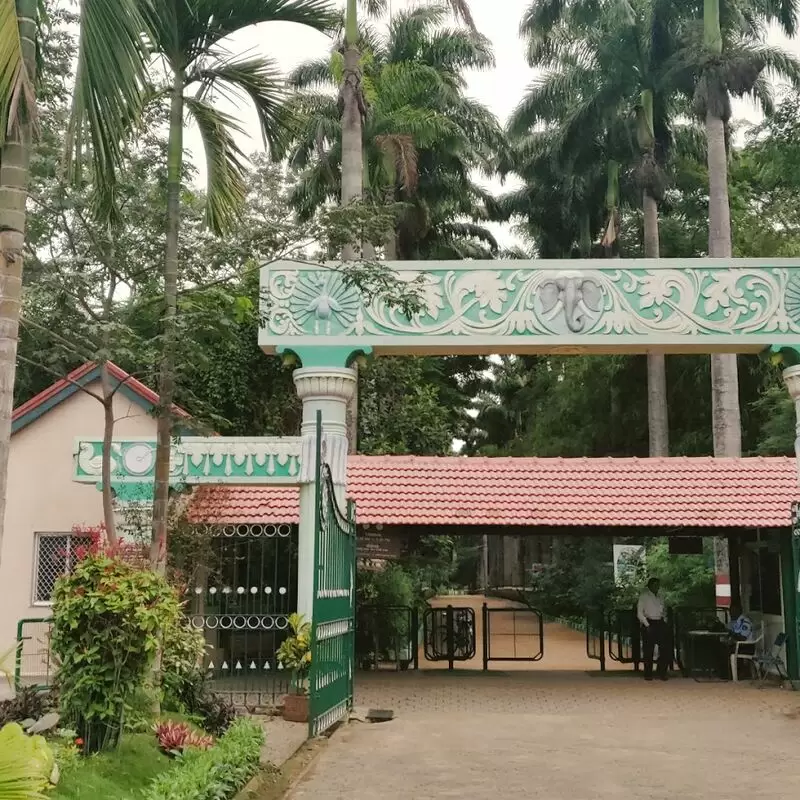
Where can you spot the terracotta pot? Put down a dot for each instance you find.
(295, 708)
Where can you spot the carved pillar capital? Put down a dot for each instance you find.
(325, 383)
(326, 390)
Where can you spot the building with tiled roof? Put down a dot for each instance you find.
(577, 493)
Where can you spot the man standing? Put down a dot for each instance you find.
(650, 611)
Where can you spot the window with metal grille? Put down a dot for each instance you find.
(56, 554)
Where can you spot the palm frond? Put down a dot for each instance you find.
(225, 163)
(311, 74)
(221, 18)
(17, 92)
(110, 80)
(375, 8)
(257, 79)
(462, 11)
(400, 158)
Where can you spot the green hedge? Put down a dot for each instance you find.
(214, 774)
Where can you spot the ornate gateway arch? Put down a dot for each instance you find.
(481, 307)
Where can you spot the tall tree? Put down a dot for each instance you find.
(353, 106)
(610, 89)
(421, 138)
(734, 61)
(111, 71)
(189, 36)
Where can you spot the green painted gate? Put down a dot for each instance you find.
(333, 616)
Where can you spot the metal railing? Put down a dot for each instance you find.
(34, 665)
(449, 634)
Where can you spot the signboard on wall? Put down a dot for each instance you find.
(379, 545)
(626, 558)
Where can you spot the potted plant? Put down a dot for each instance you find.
(295, 654)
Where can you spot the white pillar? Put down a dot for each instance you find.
(325, 389)
(791, 377)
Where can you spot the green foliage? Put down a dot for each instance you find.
(25, 764)
(686, 580)
(211, 711)
(108, 618)
(581, 576)
(390, 586)
(295, 651)
(213, 774)
(122, 774)
(400, 411)
(183, 650)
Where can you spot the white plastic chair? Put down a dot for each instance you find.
(736, 656)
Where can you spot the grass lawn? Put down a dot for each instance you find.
(120, 775)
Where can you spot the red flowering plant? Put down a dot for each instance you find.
(108, 616)
(93, 541)
(176, 737)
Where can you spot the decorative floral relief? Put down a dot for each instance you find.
(692, 301)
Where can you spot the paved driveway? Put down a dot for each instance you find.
(562, 736)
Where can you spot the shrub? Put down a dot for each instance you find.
(183, 650)
(176, 737)
(28, 703)
(107, 620)
(213, 774)
(212, 711)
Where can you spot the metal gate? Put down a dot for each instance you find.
(614, 635)
(596, 637)
(623, 634)
(449, 634)
(512, 634)
(333, 615)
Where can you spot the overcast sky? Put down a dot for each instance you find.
(500, 89)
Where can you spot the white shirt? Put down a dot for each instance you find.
(650, 606)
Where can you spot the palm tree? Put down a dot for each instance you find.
(609, 69)
(189, 37)
(420, 140)
(110, 75)
(353, 108)
(734, 62)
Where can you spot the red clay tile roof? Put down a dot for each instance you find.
(83, 375)
(408, 490)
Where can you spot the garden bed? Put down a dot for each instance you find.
(122, 774)
(138, 769)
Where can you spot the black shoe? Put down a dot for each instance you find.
(648, 677)
(663, 677)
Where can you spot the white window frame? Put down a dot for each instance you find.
(38, 536)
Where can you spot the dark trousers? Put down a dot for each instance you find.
(655, 634)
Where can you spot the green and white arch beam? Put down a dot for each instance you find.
(578, 306)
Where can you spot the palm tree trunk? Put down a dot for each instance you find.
(352, 164)
(657, 417)
(166, 384)
(14, 175)
(725, 413)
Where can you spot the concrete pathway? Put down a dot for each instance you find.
(563, 736)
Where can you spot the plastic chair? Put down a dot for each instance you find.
(752, 656)
(773, 659)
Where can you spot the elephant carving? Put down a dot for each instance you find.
(577, 296)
